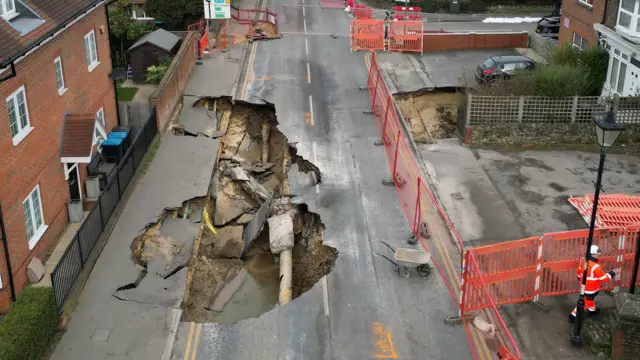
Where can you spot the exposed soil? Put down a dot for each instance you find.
(431, 115)
(233, 203)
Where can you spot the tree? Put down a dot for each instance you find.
(122, 24)
(175, 13)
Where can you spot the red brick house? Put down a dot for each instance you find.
(56, 104)
(576, 22)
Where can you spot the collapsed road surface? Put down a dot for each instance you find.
(361, 309)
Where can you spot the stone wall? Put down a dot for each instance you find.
(625, 327)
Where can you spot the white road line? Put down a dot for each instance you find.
(306, 46)
(325, 295)
(309, 78)
(304, 21)
(303, 12)
(311, 108)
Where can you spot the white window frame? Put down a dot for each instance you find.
(100, 134)
(38, 230)
(91, 50)
(580, 47)
(621, 58)
(5, 13)
(586, 3)
(12, 103)
(57, 63)
(139, 13)
(632, 30)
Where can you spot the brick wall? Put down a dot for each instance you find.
(581, 18)
(35, 160)
(170, 90)
(470, 41)
(611, 13)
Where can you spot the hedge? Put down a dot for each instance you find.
(29, 326)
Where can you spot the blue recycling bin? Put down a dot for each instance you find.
(113, 149)
(120, 132)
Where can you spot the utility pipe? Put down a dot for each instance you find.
(286, 269)
(266, 133)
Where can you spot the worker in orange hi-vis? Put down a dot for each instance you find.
(595, 277)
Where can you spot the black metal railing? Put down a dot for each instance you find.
(66, 272)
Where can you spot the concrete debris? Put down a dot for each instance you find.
(227, 292)
(257, 192)
(483, 325)
(236, 173)
(231, 274)
(180, 234)
(259, 168)
(255, 226)
(227, 243)
(281, 232)
(228, 209)
(244, 219)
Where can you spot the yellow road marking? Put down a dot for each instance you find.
(383, 342)
(196, 340)
(261, 78)
(483, 350)
(187, 350)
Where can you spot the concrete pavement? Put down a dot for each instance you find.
(313, 81)
(105, 327)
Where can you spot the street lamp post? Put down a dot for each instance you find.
(607, 131)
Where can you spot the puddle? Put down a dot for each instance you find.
(258, 293)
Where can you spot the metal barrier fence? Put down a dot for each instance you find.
(416, 198)
(367, 34)
(363, 12)
(370, 34)
(250, 16)
(405, 36)
(527, 269)
(66, 272)
(406, 13)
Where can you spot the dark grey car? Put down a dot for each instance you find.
(503, 67)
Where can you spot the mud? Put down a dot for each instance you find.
(230, 206)
(431, 115)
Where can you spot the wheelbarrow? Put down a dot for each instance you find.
(407, 259)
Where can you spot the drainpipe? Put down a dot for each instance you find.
(115, 88)
(5, 243)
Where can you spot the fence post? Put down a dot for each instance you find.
(574, 109)
(539, 260)
(463, 283)
(375, 89)
(416, 215)
(469, 100)
(80, 250)
(386, 116)
(620, 259)
(395, 157)
(520, 108)
(102, 224)
(118, 182)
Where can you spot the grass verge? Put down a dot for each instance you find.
(126, 94)
(151, 154)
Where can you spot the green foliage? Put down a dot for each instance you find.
(122, 25)
(29, 326)
(176, 14)
(593, 61)
(558, 81)
(155, 73)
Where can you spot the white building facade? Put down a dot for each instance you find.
(623, 45)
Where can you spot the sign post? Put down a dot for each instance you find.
(220, 9)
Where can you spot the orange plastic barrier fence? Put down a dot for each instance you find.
(613, 209)
(248, 16)
(406, 13)
(367, 34)
(405, 36)
(417, 199)
(527, 269)
(362, 12)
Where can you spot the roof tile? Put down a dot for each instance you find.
(77, 135)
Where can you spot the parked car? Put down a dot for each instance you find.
(502, 67)
(549, 27)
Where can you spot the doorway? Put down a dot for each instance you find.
(73, 180)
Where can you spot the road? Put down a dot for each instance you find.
(313, 81)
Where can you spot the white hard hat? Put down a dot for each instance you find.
(595, 250)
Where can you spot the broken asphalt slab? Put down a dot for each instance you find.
(198, 119)
(405, 73)
(182, 234)
(253, 229)
(154, 289)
